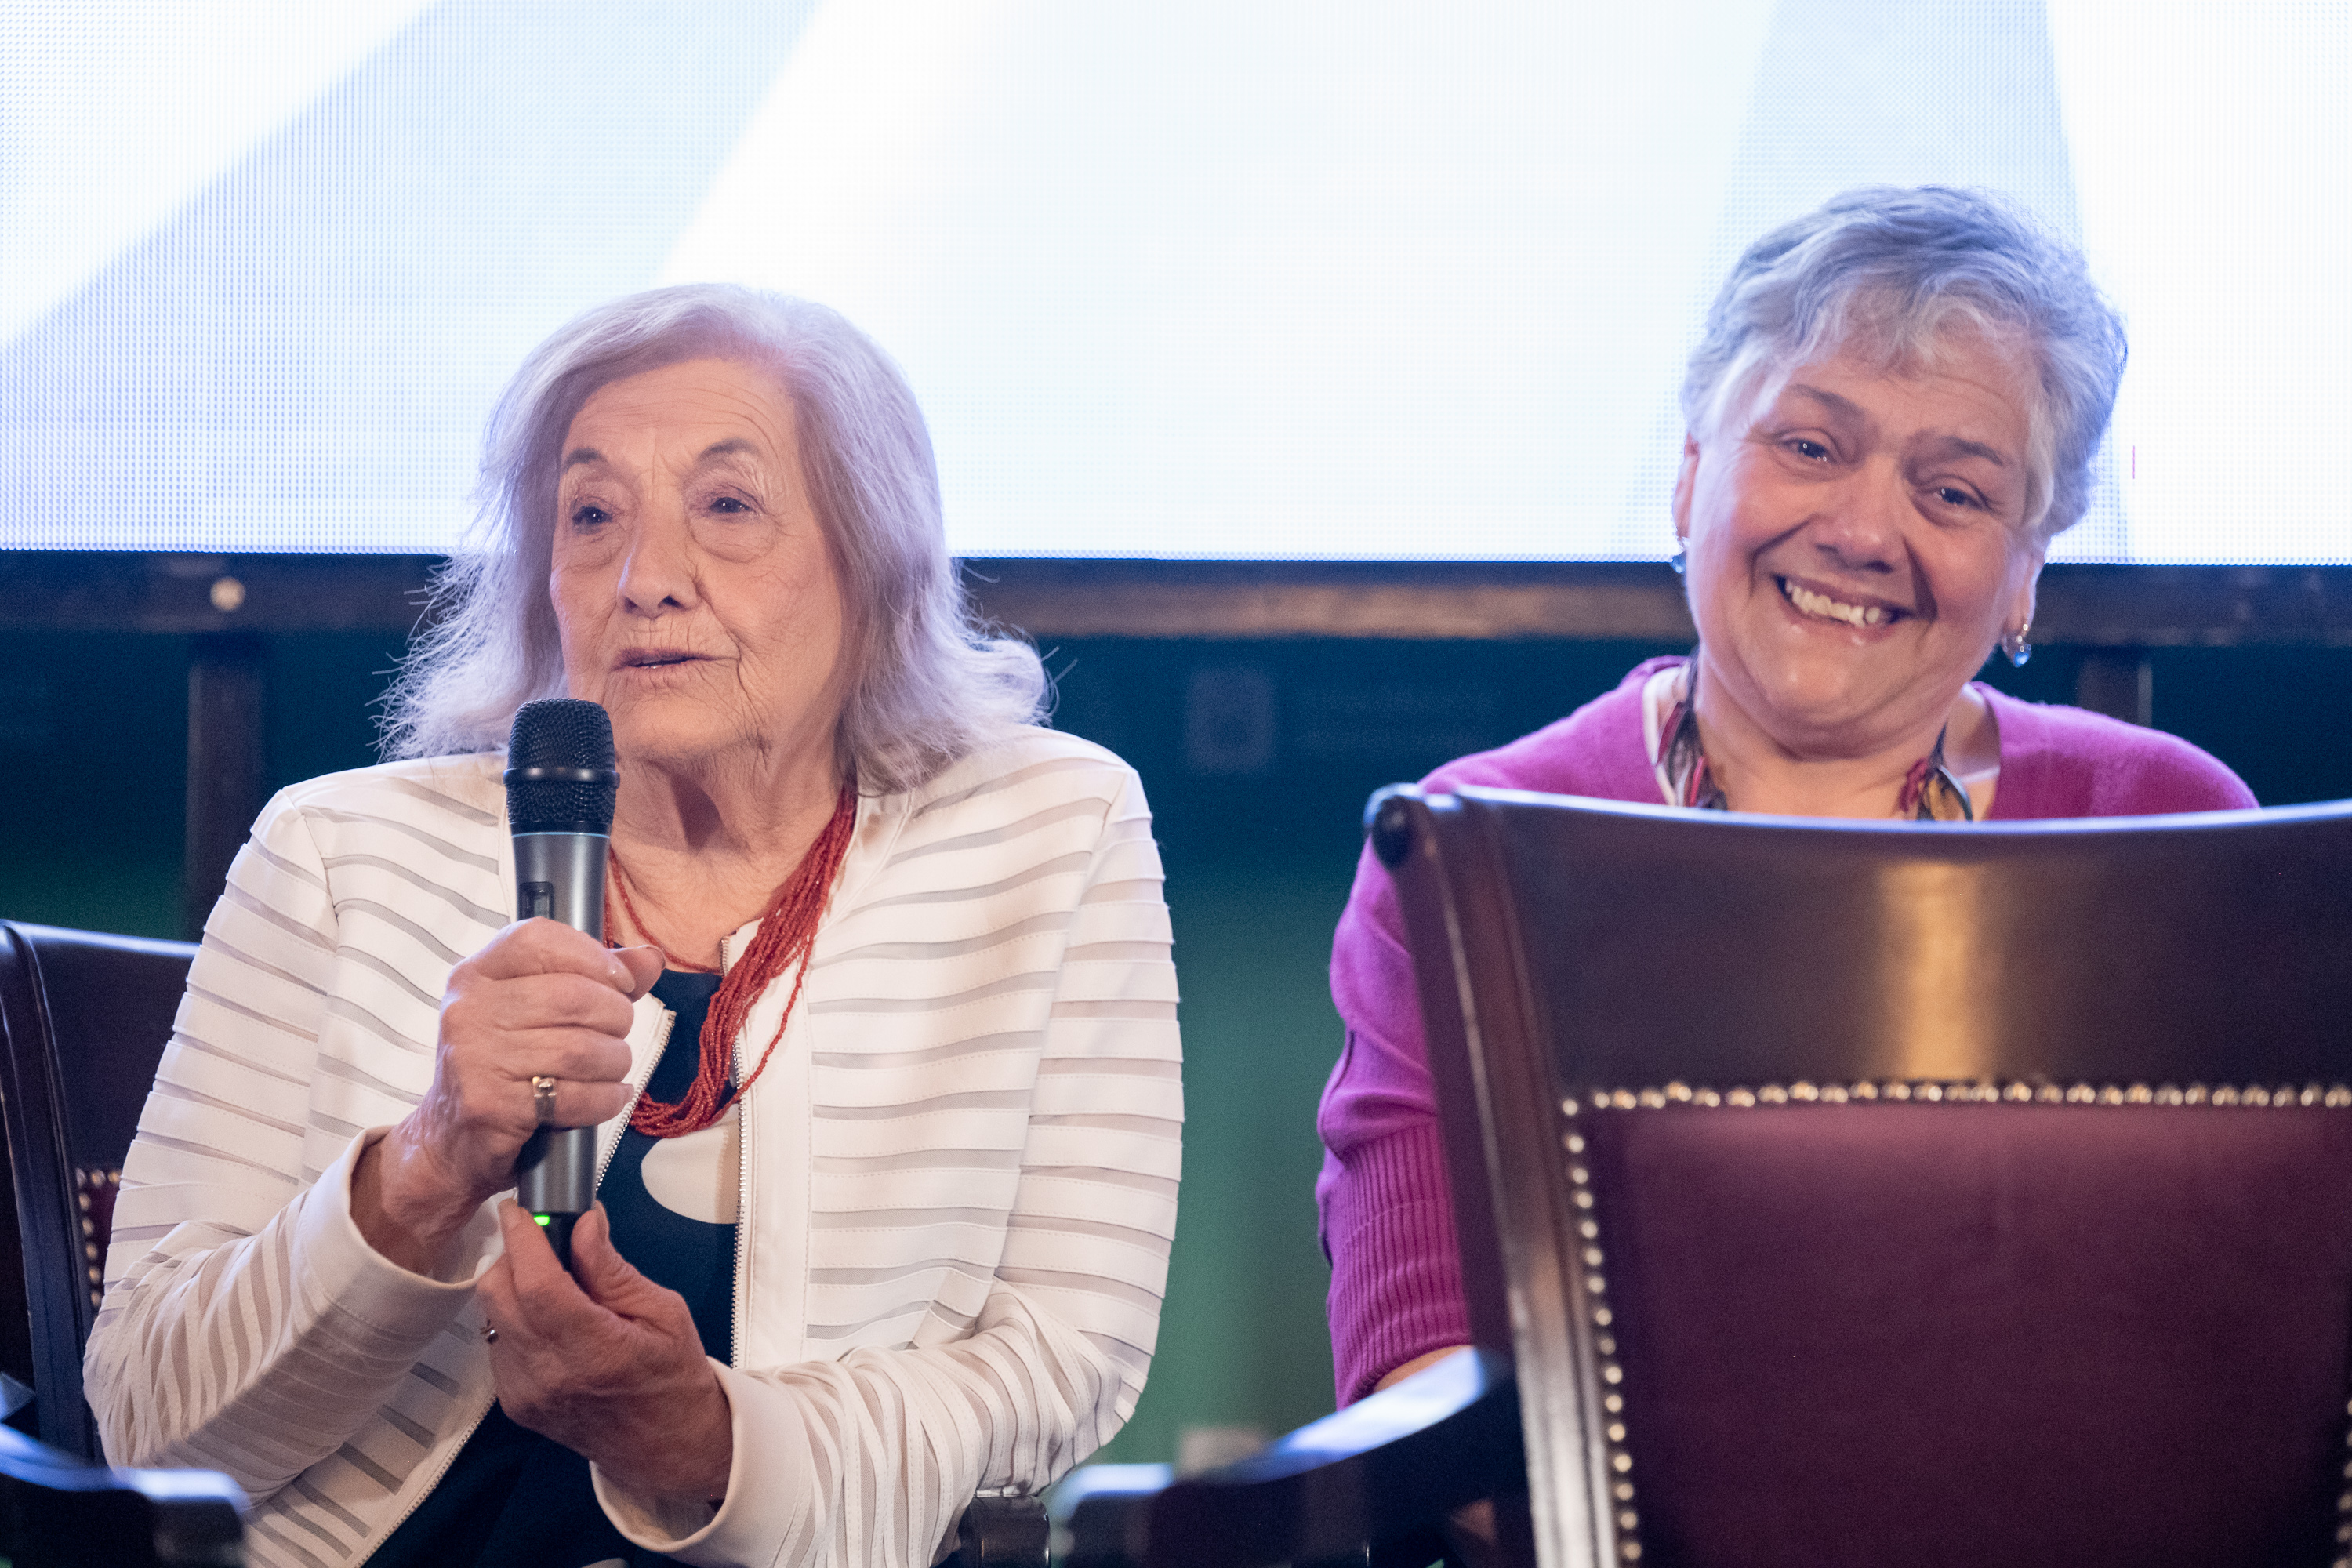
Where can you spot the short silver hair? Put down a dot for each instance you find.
(1896, 274)
(927, 682)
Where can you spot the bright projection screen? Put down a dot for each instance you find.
(1229, 279)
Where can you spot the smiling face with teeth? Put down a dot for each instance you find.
(696, 593)
(1858, 540)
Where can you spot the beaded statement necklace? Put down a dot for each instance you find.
(1931, 793)
(787, 933)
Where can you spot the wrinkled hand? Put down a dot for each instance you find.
(542, 999)
(606, 1361)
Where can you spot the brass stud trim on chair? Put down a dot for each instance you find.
(1617, 1459)
(2343, 1505)
(90, 1181)
(2284, 1096)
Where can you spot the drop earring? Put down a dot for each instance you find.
(2014, 644)
(1680, 560)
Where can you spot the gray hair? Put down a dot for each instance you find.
(1893, 273)
(927, 683)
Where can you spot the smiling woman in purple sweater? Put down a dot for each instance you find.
(1894, 410)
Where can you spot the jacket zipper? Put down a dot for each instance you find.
(742, 1222)
(636, 1089)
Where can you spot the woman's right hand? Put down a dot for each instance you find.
(540, 1000)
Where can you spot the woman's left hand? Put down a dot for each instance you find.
(608, 1364)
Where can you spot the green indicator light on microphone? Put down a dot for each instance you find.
(542, 1219)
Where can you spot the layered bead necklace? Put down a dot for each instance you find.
(786, 933)
(1931, 791)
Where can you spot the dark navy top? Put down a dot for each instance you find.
(512, 1498)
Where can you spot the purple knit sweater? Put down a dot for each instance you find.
(1388, 1217)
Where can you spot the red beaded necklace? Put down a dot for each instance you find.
(787, 931)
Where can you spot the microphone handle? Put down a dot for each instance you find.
(560, 877)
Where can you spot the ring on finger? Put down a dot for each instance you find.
(542, 1098)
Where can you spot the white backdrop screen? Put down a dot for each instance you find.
(1230, 279)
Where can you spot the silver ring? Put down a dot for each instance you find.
(542, 1098)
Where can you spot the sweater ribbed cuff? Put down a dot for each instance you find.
(1396, 1270)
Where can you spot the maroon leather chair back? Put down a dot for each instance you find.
(1851, 1193)
(84, 1017)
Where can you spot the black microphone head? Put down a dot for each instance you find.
(561, 772)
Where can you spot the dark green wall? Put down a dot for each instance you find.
(92, 764)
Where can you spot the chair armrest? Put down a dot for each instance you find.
(58, 1508)
(1115, 1499)
(1001, 1532)
(1397, 1461)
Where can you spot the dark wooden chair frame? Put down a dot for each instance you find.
(1518, 1084)
(65, 1205)
(1494, 1046)
(1366, 1486)
(60, 1511)
(59, 1503)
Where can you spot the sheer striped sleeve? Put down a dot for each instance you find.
(247, 1327)
(1091, 1228)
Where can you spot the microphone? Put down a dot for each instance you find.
(561, 779)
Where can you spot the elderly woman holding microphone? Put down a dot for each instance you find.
(1893, 411)
(886, 1075)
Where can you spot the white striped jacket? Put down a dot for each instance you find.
(959, 1176)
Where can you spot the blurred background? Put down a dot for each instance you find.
(1301, 281)
(1394, 294)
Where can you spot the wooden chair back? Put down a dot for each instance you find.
(84, 1017)
(1856, 1193)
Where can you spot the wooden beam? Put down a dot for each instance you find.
(107, 591)
(1417, 600)
(2194, 607)
(2086, 606)
(226, 768)
(2118, 682)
